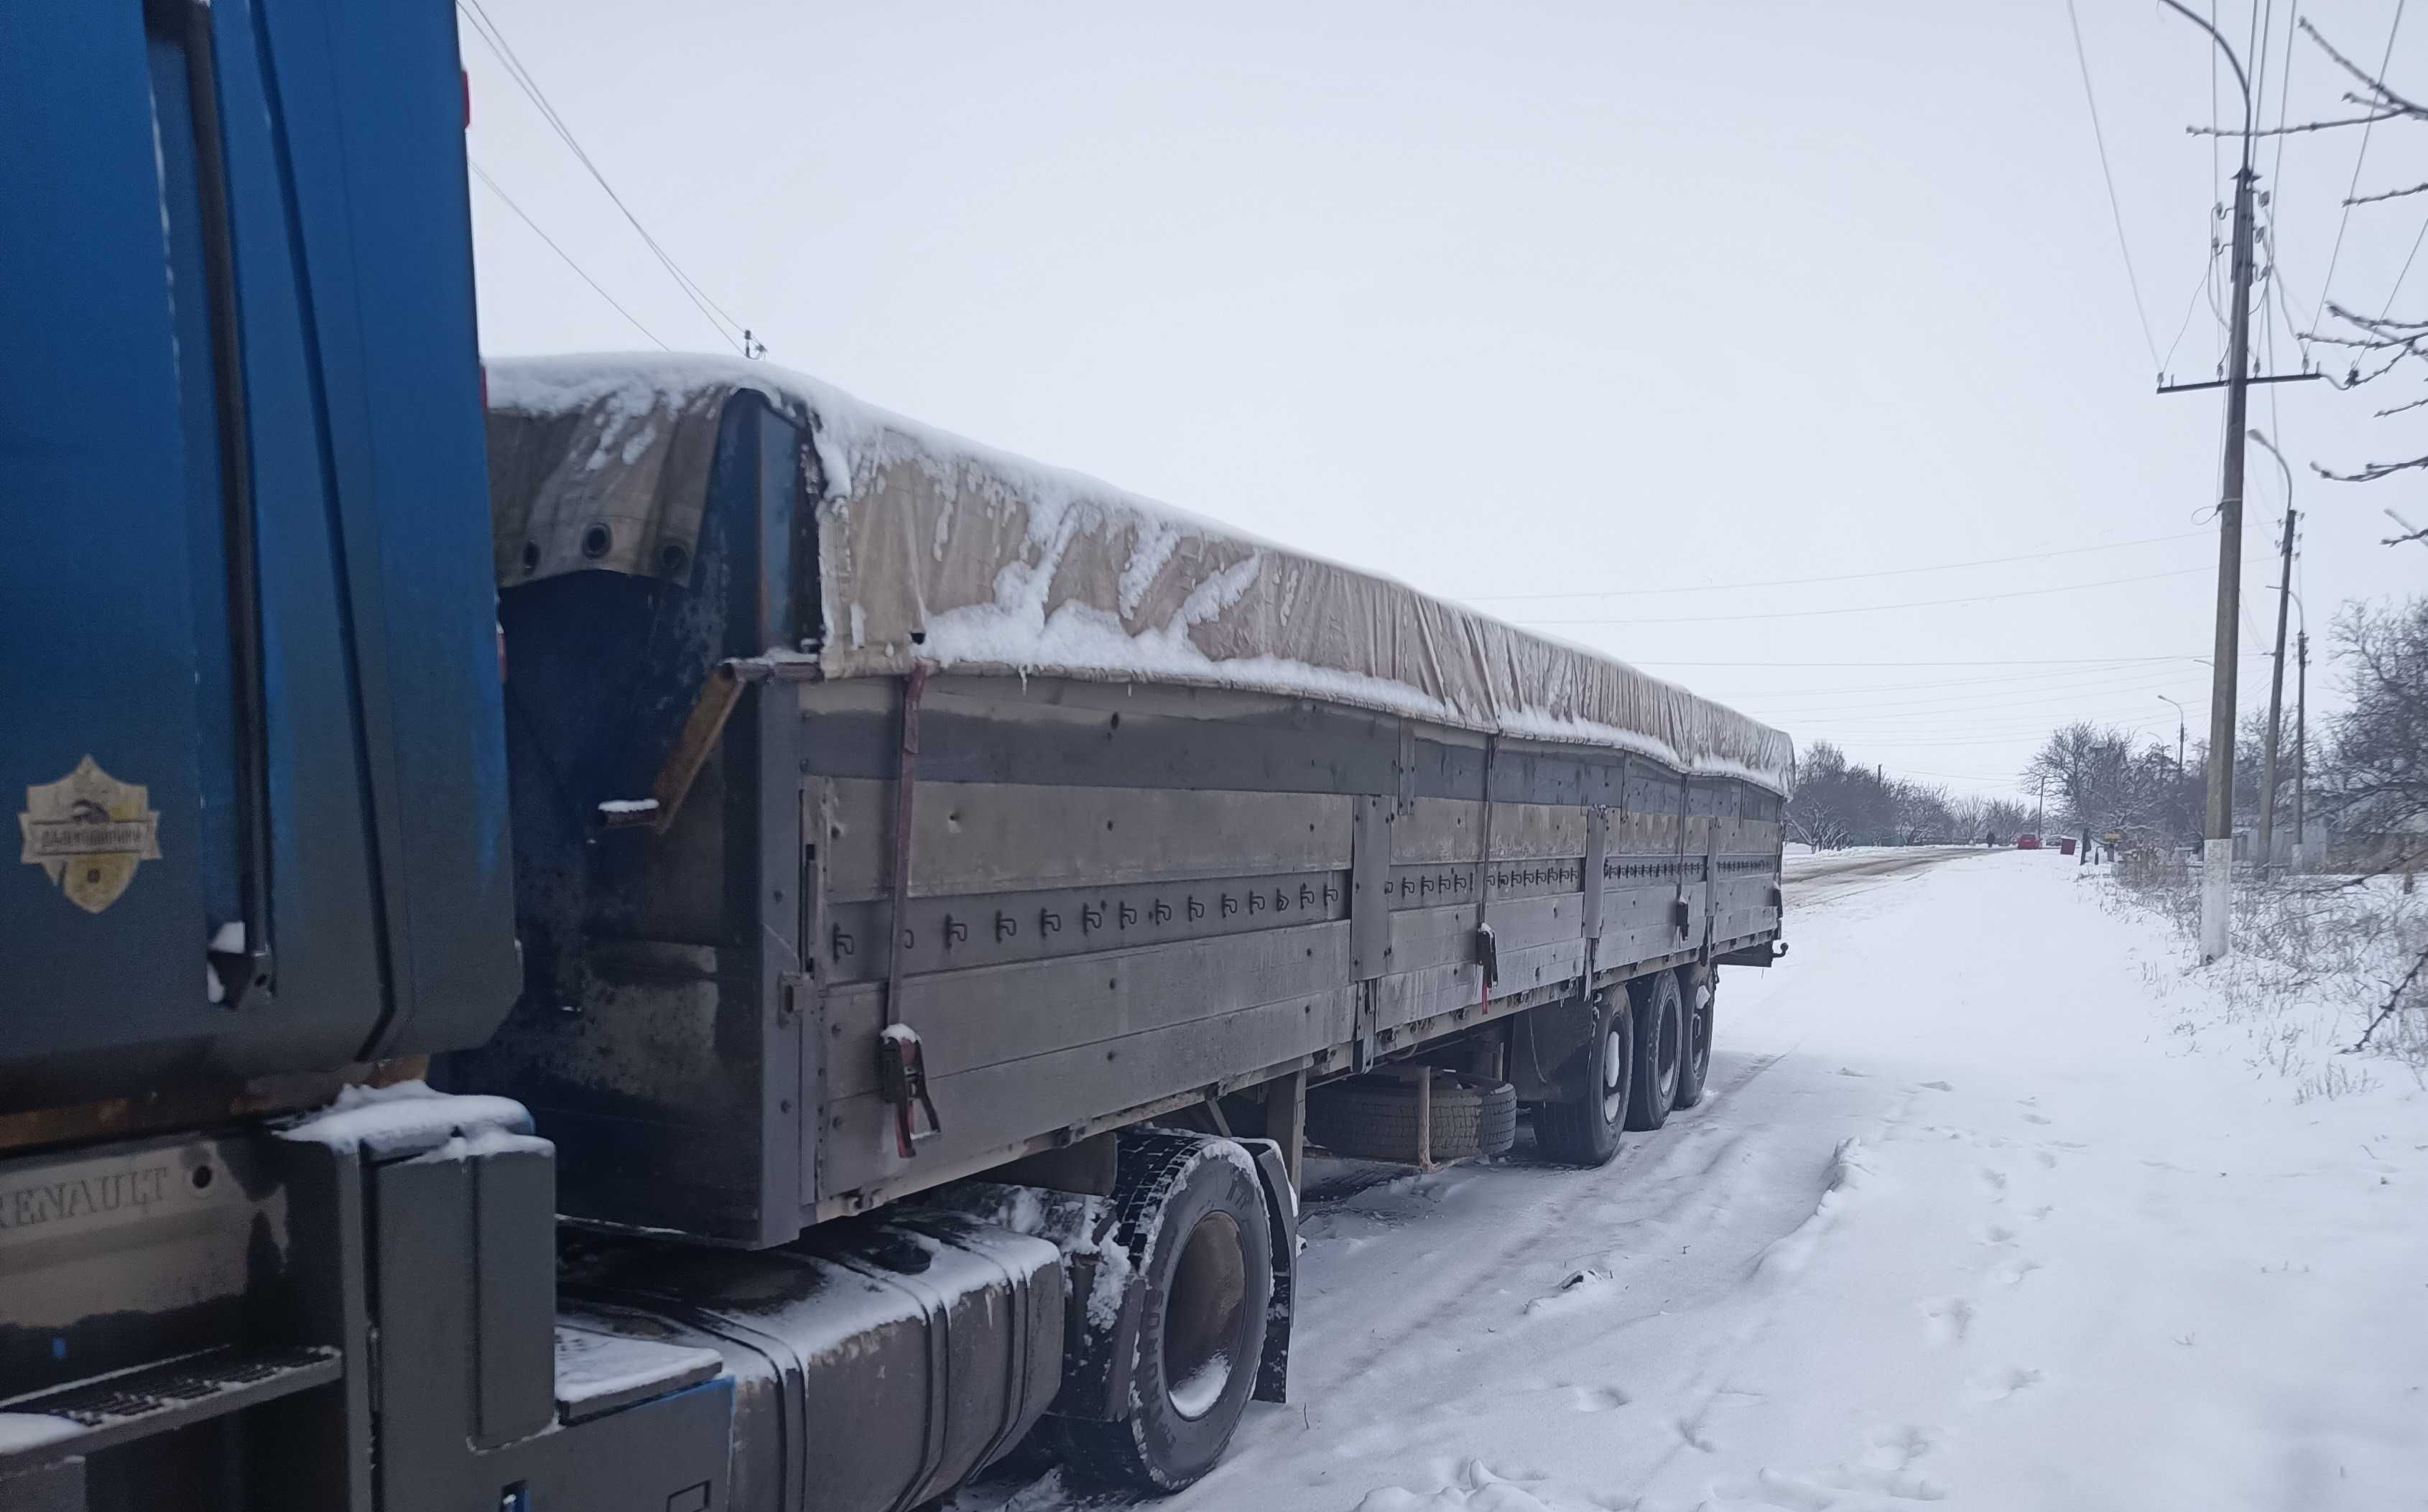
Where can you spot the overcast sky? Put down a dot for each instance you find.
(1513, 299)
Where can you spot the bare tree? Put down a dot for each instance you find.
(2378, 345)
(2103, 786)
(2376, 771)
(1968, 816)
(2375, 774)
(1836, 803)
(2005, 818)
(1919, 811)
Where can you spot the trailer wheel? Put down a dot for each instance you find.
(1660, 1048)
(1701, 988)
(1374, 1118)
(1191, 1217)
(1582, 1128)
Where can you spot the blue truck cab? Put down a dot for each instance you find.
(252, 725)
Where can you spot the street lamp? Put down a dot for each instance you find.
(2179, 733)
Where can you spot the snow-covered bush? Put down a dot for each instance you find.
(2326, 977)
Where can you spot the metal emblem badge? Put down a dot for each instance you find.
(90, 831)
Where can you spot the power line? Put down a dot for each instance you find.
(2276, 178)
(1980, 682)
(2277, 194)
(2214, 170)
(2116, 211)
(2406, 267)
(1976, 681)
(2250, 47)
(1943, 703)
(482, 175)
(1945, 711)
(1841, 576)
(1874, 608)
(1956, 776)
(1985, 740)
(2192, 303)
(1961, 735)
(2029, 660)
(2327, 286)
(2031, 734)
(1978, 722)
(496, 40)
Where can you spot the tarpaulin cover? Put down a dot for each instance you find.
(996, 563)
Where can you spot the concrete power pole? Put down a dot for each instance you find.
(2276, 673)
(2217, 850)
(2301, 751)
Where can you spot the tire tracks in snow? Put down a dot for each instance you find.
(1587, 1190)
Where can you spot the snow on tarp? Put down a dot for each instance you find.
(933, 549)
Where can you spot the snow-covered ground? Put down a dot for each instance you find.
(1977, 1214)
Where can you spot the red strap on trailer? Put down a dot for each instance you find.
(901, 1064)
(902, 1080)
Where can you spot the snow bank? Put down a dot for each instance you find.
(934, 551)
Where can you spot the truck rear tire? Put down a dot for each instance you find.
(1700, 987)
(1191, 1219)
(1660, 1048)
(1374, 1118)
(1582, 1128)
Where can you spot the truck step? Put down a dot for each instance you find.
(86, 1416)
(600, 1369)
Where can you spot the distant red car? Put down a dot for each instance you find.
(2028, 842)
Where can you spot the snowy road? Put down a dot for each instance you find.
(1826, 878)
(1971, 1219)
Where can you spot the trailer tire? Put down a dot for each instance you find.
(1660, 1048)
(1583, 1127)
(1700, 987)
(1374, 1118)
(1190, 1215)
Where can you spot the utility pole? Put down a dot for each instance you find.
(2302, 752)
(2217, 851)
(2276, 671)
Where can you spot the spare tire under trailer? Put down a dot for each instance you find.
(1377, 1118)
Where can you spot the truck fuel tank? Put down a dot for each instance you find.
(875, 1365)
